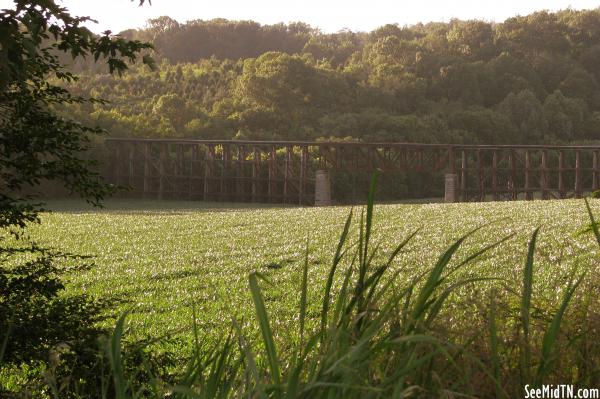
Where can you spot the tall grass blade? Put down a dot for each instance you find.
(526, 305)
(194, 365)
(361, 241)
(494, 349)
(343, 236)
(115, 358)
(551, 333)
(483, 250)
(265, 328)
(303, 293)
(248, 355)
(366, 225)
(369, 220)
(373, 280)
(222, 372)
(336, 260)
(407, 302)
(594, 225)
(343, 295)
(438, 302)
(433, 280)
(293, 379)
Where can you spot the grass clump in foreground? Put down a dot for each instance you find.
(379, 330)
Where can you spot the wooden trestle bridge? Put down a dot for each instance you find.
(286, 171)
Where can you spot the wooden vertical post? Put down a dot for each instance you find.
(272, 173)
(495, 175)
(303, 172)
(561, 176)
(239, 186)
(209, 159)
(116, 163)
(131, 168)
(220, 164)
(451, 160)
(225, 172)
(511, 179)
(463, 176)
(288, 163)
(332, 151)
(405, 158)
(178, 179)
(255, 173)
(578, 191)
(595, 170)
(528, 193)
(193, 159)
(147, 154)
(480, 187)
(544, 175)
(161, 171)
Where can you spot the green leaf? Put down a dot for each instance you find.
(265, 328)
(594, 225)
(303, 293)
(526, 304)
(116, 361)
(551, 334)
(336, 260)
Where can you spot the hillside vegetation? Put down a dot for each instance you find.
(530, 79)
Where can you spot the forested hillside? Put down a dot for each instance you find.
(530, 79)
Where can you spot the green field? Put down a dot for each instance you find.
(161, 259)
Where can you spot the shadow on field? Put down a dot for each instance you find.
(276, 265)
(133, 206)
(174, 275)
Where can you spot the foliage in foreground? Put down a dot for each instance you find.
(38, 145)
(379, 336)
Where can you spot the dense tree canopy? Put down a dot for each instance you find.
(530, 79)
(36, 143)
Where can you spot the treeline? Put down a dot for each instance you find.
(531, 79)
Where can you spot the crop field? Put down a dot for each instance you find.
(165, 261)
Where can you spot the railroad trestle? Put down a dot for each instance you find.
(284, 171)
